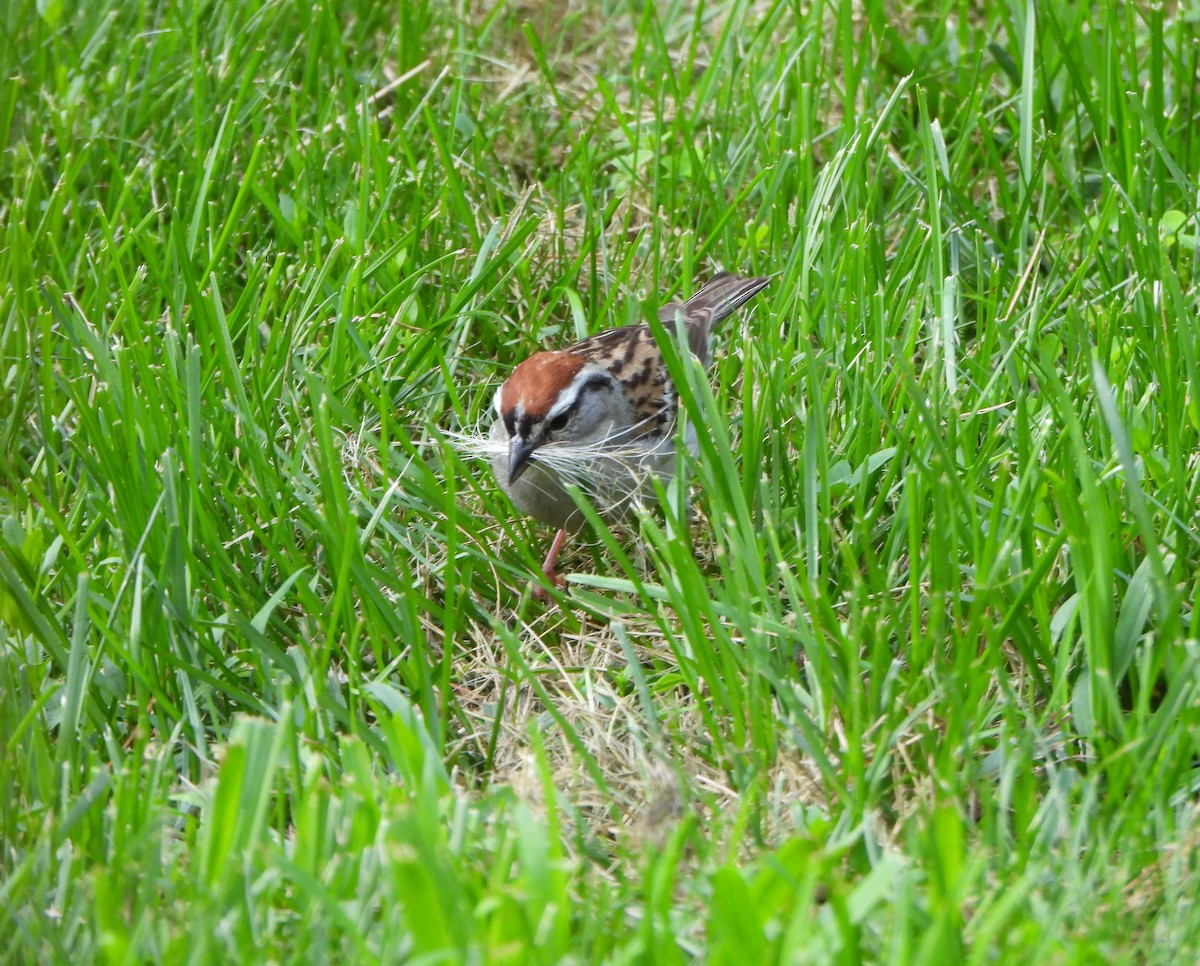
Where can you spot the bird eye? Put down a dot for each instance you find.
(559, 422)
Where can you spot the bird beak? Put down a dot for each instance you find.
(519, 451)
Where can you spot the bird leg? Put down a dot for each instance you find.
(539, 592)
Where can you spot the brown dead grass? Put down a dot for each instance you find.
(638, 785)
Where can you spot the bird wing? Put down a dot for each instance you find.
(634, 358)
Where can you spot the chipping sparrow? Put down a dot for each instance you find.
(600, 414)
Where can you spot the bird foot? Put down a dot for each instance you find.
(541, 592)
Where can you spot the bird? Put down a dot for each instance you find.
(601, 415)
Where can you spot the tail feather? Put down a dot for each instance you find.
(718, 298)
(725, 293)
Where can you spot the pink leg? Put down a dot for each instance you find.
(541, 593)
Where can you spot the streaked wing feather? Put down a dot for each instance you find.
(631, 354)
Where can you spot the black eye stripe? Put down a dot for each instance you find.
(597, 380)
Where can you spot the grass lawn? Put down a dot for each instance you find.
(904, 670)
